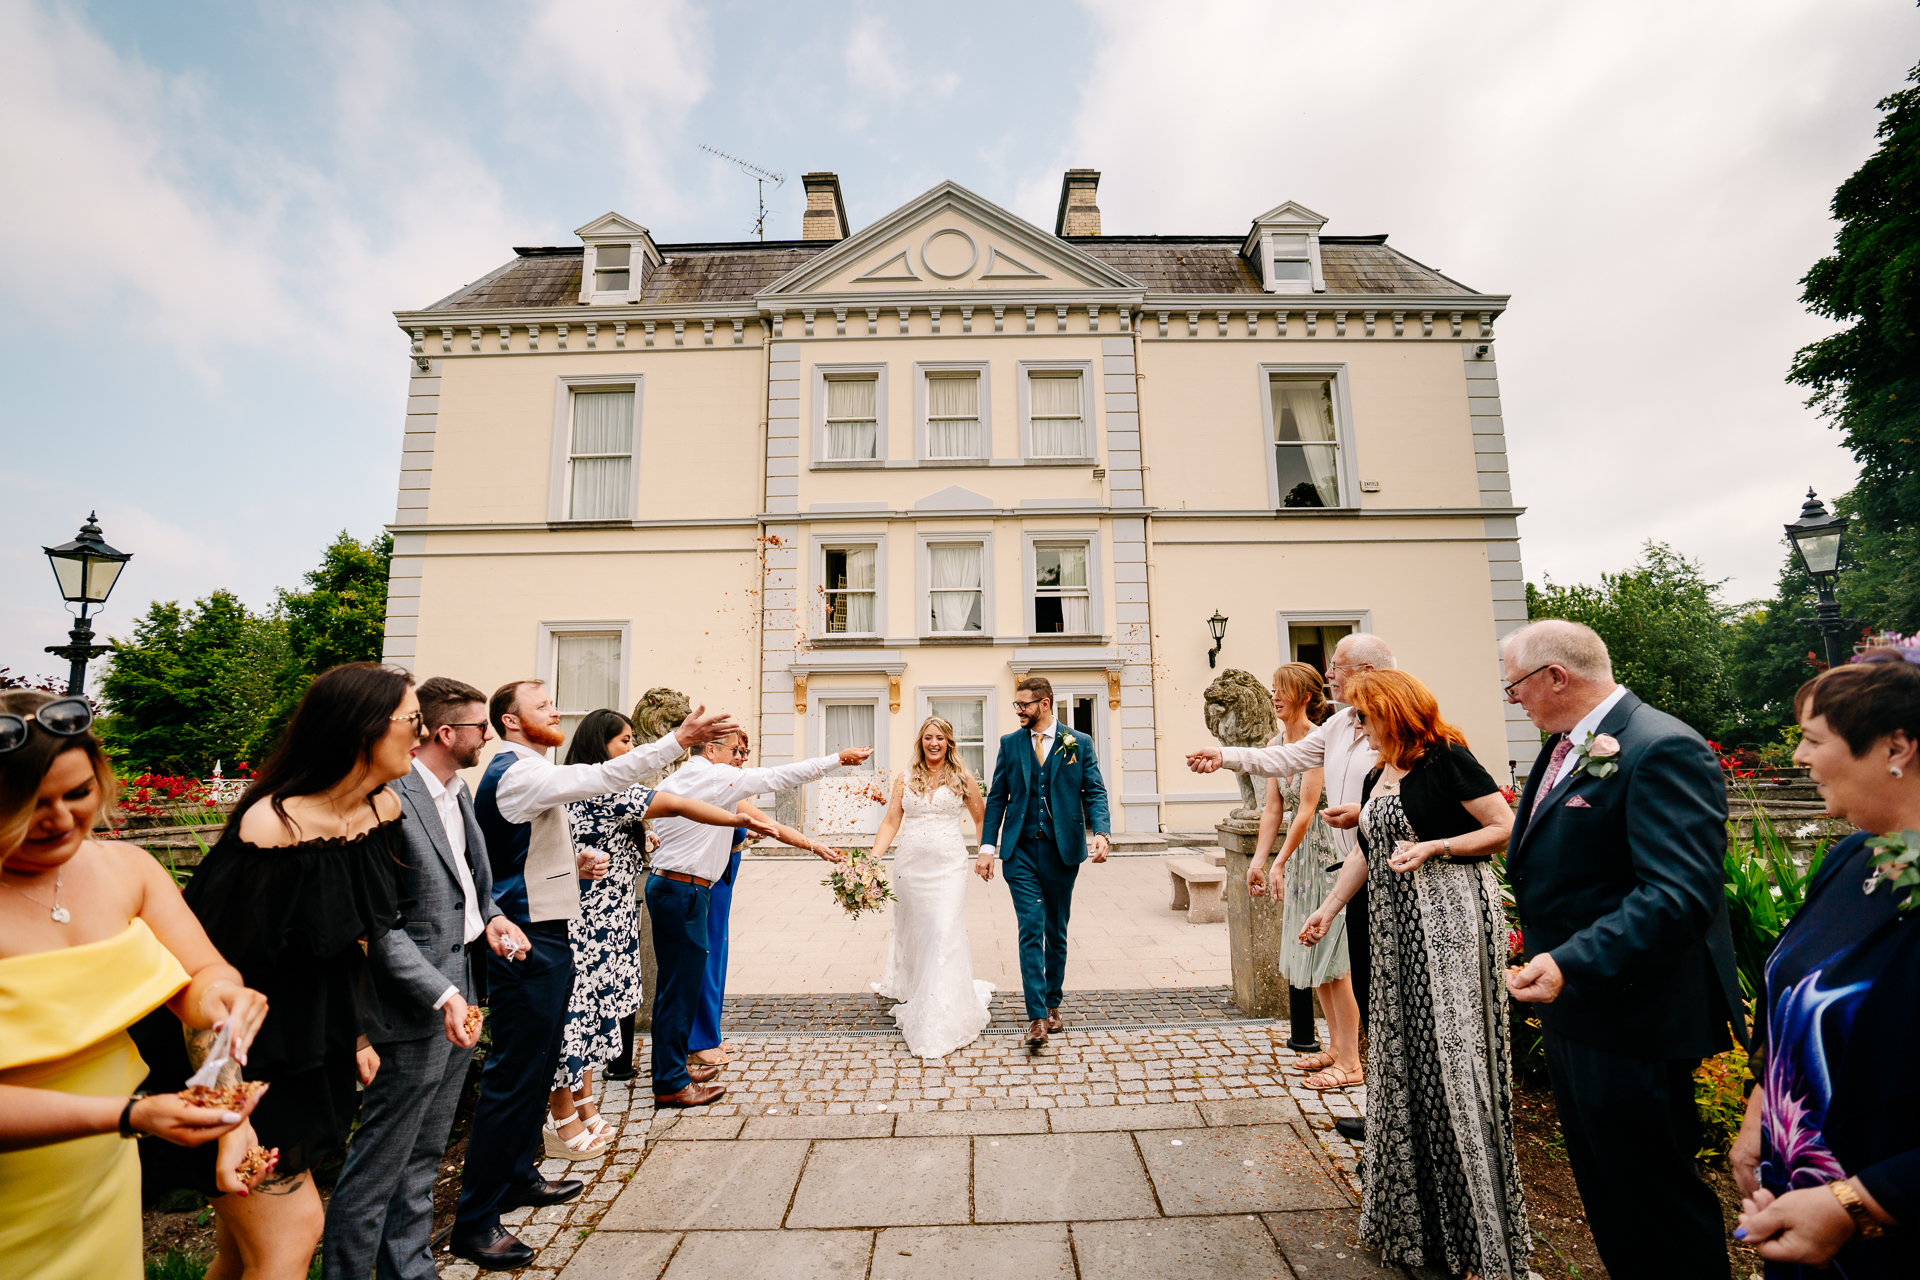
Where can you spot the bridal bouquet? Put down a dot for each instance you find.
(857, 883)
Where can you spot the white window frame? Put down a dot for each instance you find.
(991, 696)
(1346, 457)
(1270, 255)
(636, 273)
(816, 611)
(923, 585)
(1088, 425)
(821, 373)
(547, 654)
(1030, 569)
(559, 480)
(1361, 620)
(818, 700)
(1103, 748)
(920, 399)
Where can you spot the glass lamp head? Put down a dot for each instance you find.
(1217, 625)
(87, 567)
(1816, 538)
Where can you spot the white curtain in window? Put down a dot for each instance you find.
(955, 573)
(853, 430)
(953, 417)
(1304, 411)
(1054, 402)
(586, 677)
(602, 453)
(859, 586)
(1061, 573)
(849, 726)
(968, 718)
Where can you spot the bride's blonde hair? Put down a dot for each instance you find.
(953, 770)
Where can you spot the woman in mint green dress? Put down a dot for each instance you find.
(1306, 868)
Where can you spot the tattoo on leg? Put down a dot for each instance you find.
(282, 1186)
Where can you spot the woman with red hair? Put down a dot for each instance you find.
(1441, 1181)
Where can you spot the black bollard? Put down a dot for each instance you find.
(1301, 1037)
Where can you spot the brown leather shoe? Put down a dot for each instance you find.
(1055, 1023)
(694, 1095)
(1037, 1033)
(700, 1074)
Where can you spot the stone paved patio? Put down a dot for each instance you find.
(869, 1014)
(1148, 1151)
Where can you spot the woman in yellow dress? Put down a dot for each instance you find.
(93, 936)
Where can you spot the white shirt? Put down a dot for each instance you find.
(446, 803)
(1338, 746)
(1046, 749)
(1589, 724)
(702, 850)
(534, 784)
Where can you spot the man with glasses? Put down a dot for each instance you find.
(1339, 747)
(424, 978)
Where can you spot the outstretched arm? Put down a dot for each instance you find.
(1265, 762)
(787, 835)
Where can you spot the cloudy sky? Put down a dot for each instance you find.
(212, 208)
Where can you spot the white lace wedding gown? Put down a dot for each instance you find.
(929, 965)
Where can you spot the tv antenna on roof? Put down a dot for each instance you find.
(761, 178)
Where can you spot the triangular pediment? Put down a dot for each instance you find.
(612, 224)
(949, 239)
(1293, 211)
(954, 498)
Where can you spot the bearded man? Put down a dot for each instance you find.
(521, 804)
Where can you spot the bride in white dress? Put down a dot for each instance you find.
(929, 965)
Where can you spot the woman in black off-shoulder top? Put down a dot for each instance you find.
(300, 880)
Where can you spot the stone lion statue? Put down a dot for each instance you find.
(1240, 714)
(658, 713)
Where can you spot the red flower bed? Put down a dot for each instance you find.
(153, 795)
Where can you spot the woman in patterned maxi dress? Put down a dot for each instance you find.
(1440, 1177)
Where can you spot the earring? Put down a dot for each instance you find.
(1894, 771)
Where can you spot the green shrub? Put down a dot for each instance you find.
(175, 1265)
(1765, 887)
(1720, 1089)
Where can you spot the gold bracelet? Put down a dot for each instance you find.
(1863, 1223)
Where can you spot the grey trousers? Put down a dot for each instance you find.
(381, 1214)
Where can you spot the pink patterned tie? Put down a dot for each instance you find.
(1554, 762)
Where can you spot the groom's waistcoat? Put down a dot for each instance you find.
(1038, 826)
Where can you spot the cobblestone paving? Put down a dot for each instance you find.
(827, 1013)
(869, 1086)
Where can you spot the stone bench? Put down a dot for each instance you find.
(1199, 889)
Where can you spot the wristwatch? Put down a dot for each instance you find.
(1863, 1222)
(126, 1118)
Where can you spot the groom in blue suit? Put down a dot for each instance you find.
(1047, 794)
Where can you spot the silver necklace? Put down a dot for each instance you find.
(59, 913)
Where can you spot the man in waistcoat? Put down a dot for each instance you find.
(521, 804)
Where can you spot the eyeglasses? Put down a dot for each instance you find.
(1027, 706)
(1359, 717)
(743, 751)
(464, 724)
(63, 718)
(1522, 680)
(413, 718)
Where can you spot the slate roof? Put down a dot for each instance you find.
(550, 277)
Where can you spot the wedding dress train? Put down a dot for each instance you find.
(929, 964)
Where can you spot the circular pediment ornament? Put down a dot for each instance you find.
(927, 262)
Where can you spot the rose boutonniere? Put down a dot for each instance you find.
(1069, 747)
(1896, 860)
(1598, 756)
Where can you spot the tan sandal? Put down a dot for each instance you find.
(1312, 1062)
(584, 1145)
(1332, 1079)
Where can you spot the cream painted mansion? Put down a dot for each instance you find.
(837, 483)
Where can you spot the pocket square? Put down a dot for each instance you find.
(1578, 803)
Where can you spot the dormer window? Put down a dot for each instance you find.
(610, 268)
(1290, 262)
(1284, 246)
(619, 257)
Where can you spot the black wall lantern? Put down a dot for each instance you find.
(1218, 625)
(1817, 538)
(86, 569)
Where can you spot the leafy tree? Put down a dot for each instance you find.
(340, 616)
(1665, 628)
(192, 685)
(1866, 378)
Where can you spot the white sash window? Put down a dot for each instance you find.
(955, 576)
(953, 416)
(853, 427)
(600, 456)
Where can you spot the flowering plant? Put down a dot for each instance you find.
(1598, 755)
(856, 883)
(153, 795)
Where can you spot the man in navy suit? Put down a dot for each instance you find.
(1047, 794)
(1616, 862)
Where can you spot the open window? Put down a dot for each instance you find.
(1309, 443)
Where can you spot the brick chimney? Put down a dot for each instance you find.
(1079, 215)
(826, 216)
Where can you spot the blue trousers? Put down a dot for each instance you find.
(1042, 885)
(679, 912)
(713, 993)
(528, 1002)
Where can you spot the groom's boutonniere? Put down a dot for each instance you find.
(1069, 747)
(1599, 756)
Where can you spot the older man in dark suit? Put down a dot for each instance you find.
(423, 980)
(1616, 865)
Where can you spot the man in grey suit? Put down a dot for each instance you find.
(423, 980)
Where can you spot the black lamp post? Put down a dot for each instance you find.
(1816, 538)
(86, 569)
(1217, 625)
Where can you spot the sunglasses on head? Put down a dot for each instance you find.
(63, 717)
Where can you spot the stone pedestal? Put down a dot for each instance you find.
(1254, 928)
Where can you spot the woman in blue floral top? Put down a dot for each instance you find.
(1829, 1155)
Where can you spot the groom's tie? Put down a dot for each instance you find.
(1039, 748)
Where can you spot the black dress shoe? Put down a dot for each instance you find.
(495, 1250)
(1352, 1128)
(537, 1195)
(621, 1071)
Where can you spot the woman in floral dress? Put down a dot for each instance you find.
(606, 937)
(1306, 868)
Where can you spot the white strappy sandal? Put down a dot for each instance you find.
(584, 1145)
